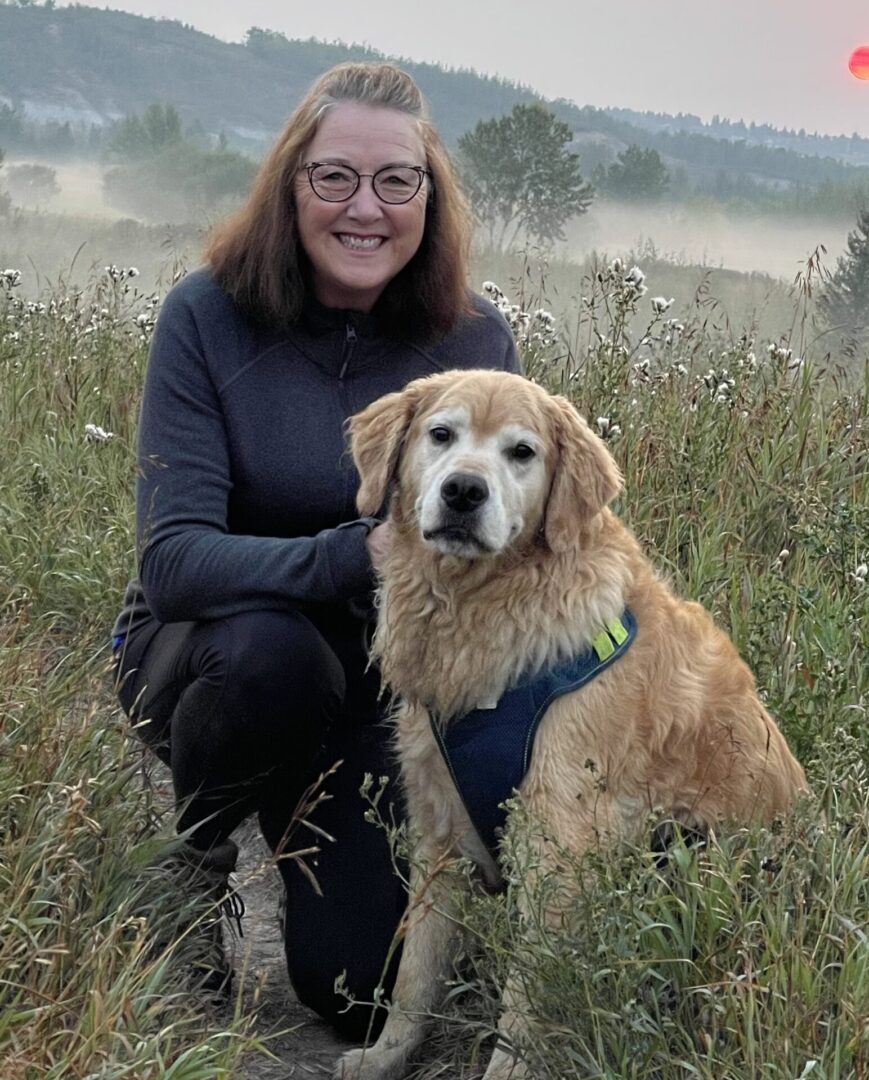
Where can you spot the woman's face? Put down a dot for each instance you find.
(357, 247)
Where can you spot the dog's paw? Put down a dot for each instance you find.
(504, 1066)
(370, 1064)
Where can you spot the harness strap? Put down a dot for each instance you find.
(488, 751)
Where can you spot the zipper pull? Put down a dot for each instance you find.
(349, 343)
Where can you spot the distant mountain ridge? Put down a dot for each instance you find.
(853, 149)
(87, 66)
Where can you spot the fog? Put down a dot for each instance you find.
(74, 234)
(713, 238)
(80, 191)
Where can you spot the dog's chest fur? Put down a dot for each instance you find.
(453, 636)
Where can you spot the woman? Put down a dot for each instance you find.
(241, 645)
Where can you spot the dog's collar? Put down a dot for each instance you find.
(488, 751)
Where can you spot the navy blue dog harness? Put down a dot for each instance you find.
(488, 751)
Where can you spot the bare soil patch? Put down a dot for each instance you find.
(300, 1044)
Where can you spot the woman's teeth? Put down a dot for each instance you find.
(360, 243)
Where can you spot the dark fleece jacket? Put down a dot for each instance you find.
(245, 497)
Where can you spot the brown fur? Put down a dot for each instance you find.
(675, 725)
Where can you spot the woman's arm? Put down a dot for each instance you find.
(190, 566)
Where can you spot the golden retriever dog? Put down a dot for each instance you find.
(505, 560)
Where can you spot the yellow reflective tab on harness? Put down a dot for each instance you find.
(617, 630)
(603, 646)
(603, 643)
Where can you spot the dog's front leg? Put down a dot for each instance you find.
(428, 934)
(504, 1064)
(543, 905)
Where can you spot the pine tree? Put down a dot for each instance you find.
(845, 298)
(637, 175)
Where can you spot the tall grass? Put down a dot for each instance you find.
(93, 929)
(746, 476)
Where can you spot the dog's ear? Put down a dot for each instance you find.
(376, 440)
(585, 479)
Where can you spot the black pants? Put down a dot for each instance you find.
(247, 711)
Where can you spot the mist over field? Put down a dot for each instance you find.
(711, 237)
(748, 260)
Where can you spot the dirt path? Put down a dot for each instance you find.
(299, 1043)
(303, 1045)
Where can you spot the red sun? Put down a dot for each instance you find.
(859, 62)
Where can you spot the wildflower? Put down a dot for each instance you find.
(660, 305)
(641, 372)
(781, 353)
(11, 279)
(537, 329)
(634, 278)
(860, 573)
(607, 429)
(616, 266)
(118, 274)
(93, 433)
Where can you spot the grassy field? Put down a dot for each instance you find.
(746, 475)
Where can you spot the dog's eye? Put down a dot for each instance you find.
(522, 452)
(441, 434)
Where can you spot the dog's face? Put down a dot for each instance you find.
(483, 460)
(479, 475)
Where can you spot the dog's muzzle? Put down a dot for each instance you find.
(464, 492)
(462, 498)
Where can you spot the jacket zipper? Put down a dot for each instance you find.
(349, 345)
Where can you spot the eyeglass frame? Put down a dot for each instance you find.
(420, 170)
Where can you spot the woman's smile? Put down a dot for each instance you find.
(357, 246)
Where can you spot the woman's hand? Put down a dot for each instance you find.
(379, 541)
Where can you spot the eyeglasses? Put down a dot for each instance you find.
(394, 184)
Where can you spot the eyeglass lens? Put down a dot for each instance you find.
(394, 184)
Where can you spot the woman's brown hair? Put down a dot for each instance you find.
(257, 258)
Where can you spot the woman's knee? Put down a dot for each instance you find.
(273, 663)
(354, 1002)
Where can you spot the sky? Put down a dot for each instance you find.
(784, 62)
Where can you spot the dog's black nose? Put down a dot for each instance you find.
(464, 491)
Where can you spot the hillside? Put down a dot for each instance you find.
(74, 71)
(86, 66)
(851, 149)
